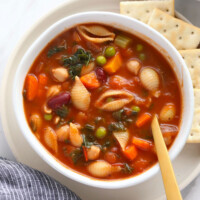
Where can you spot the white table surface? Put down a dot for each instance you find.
(16, 16)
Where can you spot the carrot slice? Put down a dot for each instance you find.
(143, 119)
(90, 80)
(113, 64)
(130, 152)
(85, 153)
(142, 144)
(31, 85)
(42, 80)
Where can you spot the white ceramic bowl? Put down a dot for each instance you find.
(126, 24)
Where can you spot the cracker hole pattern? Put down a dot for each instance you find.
(177, 25)
(180, 38)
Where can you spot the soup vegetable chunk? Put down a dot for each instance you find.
(89, 98)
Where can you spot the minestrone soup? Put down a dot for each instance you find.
(89, 98)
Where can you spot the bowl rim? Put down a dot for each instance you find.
(68, 172)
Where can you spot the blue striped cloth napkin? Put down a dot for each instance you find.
(19, 182)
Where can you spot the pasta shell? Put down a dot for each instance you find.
(167, 113)
(122, 138)
(62, 133)
(96, 33)
(35, 122)
(53, 90)
(50, 139)
(79, 95)
(150, 79)
(100, 168)
(75, 136)
(87, 69)
(123, 98)
(46, 109)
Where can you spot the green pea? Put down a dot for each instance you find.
(139, 47)
(101, 60)
(101, 132)
(135, 108)
(142, 56)
(110, 51)
(48, 117)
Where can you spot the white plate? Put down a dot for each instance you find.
(186, 165)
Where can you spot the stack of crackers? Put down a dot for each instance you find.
(159, 14)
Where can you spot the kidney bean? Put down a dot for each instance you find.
(59, 100)
(101, 75)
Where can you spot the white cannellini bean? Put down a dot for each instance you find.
(75, 136)
(62, 133)
(93, 152)
(53, 90)
(133, 66)
(100, 168)
(168, 113)
(50, 139)
(149, 79)
(79, 95)
(115, 169)
(60, 74)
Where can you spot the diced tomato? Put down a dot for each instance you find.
(110, 157)
(118, 82)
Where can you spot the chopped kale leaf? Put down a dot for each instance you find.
(77, 155)
(127, 169)
(62, 111)
(55, 50)
(116, 126)
(89, 140)
(76, 62)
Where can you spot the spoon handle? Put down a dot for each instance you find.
(171, 187)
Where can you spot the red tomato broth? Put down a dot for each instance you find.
(169, 87)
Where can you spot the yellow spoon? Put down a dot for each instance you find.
(171, 188)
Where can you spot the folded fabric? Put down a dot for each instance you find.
(19, 182)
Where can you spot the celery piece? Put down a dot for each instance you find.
(122, 41)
